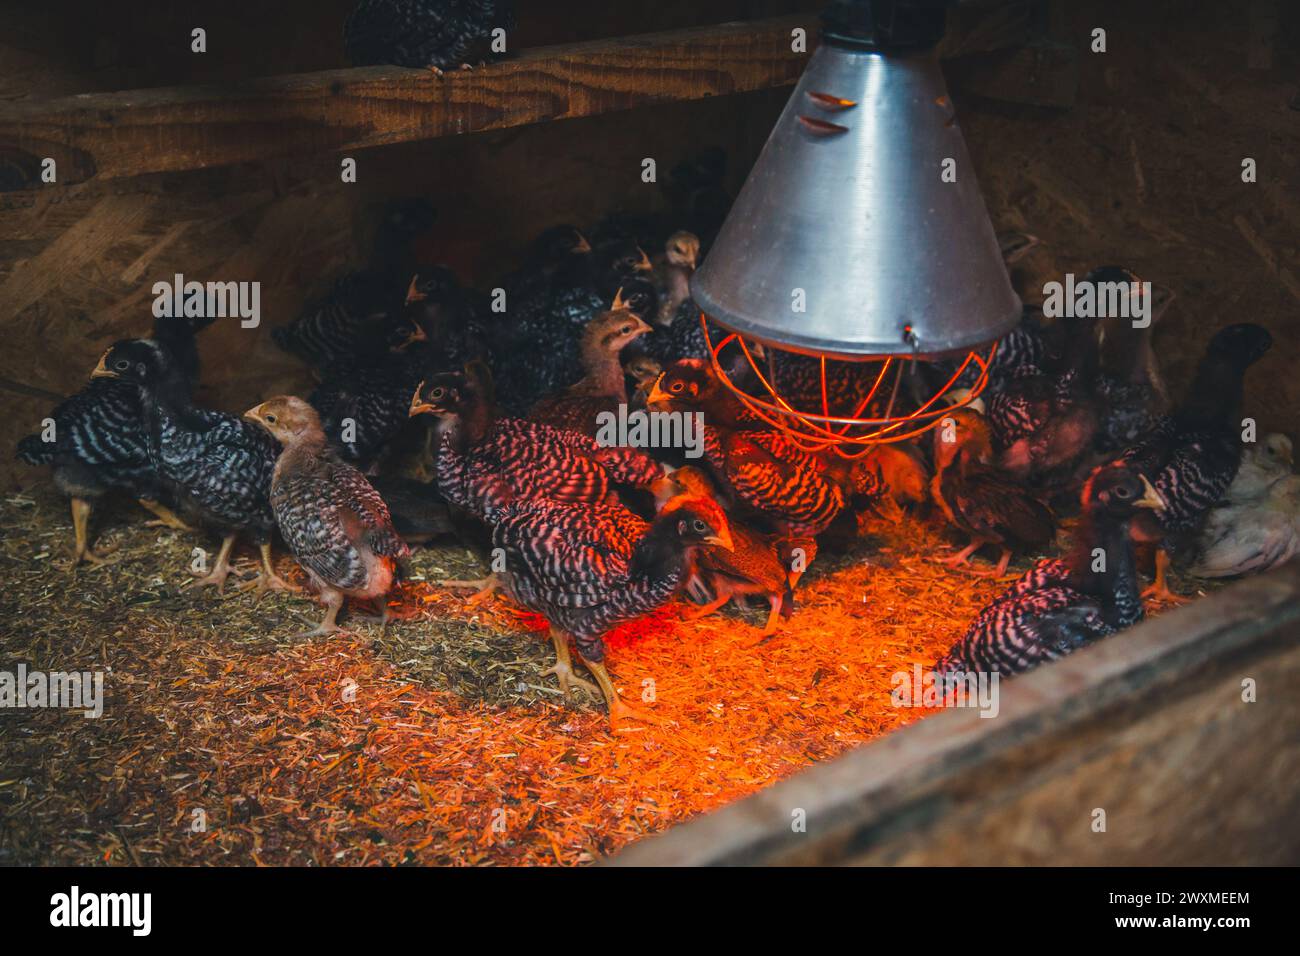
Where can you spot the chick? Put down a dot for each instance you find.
(100, 443)
(1262, 464)
(1249, 537)
(643, 371)
(1193, 455)
(752, 566)
(1061, 605)
(588, 568)
(335, 523)
(980, 499)
(217, 467)
(351, 318)
(435, 34)
(904, 475)
(603, 387)
(362, 402)
(672, 274)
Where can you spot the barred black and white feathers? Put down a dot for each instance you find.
(99, 440)
(1060, 606)
(588, 568)
(217, 466)
(1192, 456)
(485, 461)
(424, 33)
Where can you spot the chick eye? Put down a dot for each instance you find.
(1123, 492)
(438, 392)
(676, 387)
(121, 365)
(625, 330)
(270, 419)
(699, 525)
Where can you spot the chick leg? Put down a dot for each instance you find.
(962, 557)
(563, 669)
(81, 508)
(1000, 570)
(267, 579)
(220, 570)
(166, 517)
(618, 710)
(328, 625)
(486, 587)
(1159, 589)
(706, 609)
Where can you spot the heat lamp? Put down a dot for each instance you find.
(860, 244)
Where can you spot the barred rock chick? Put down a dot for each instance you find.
(982, 500)
(435, 34)
(333, 521)
(100, 443)
(217, 467)
(603, 387)
(363, 402)
(353, 316)
(485, 460)
(752, 566)
(1193, 455)
(797, 493)
(588, 568)
(1062, 605)
(672, 274)
(538, 349)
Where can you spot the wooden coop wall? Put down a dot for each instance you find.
(1142, 169)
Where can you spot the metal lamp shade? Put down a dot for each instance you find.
(847, 213)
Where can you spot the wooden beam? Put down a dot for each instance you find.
(1152, 726)
(158, 130)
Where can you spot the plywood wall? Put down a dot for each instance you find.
(1143, 171)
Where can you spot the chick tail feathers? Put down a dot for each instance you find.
(34, 451)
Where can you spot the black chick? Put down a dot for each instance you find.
(363, 401)
(980, 499)
(218, 467)
(100, 443)
(418, 511)
(1132, 392)
(588, 568)
(333, 521)
(1062, 605)
(353, 317)
(1193, 455)
(437, 34)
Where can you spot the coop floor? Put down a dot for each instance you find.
(224, 739)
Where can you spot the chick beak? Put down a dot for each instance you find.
(413, 294)
(1150, 497)
(640, 328)
(583, 245)
(691, 260)
(416, 336)
(254, 414)
(102, 370)
(644, 265)
(721, 540)
(418, 405)
(657, 394)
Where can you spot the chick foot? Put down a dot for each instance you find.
(486, 588)
(220, 571)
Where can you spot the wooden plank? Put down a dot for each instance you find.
(1149, 726)
(158, 130)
